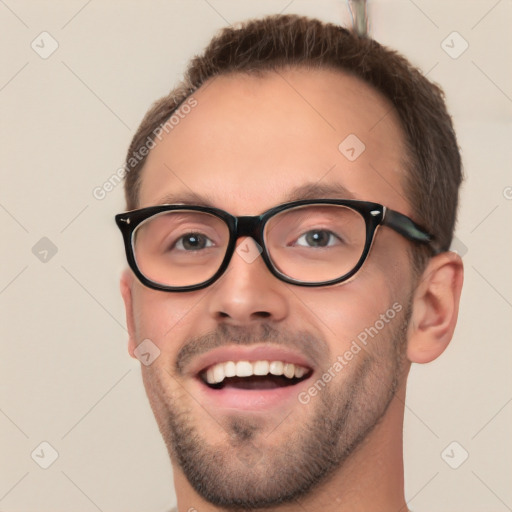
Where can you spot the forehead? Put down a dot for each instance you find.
(251, 140)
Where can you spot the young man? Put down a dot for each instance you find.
(291, 205)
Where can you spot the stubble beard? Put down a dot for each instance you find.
(250, 468)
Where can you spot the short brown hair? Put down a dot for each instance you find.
(276, 42)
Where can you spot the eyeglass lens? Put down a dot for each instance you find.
(311, 243)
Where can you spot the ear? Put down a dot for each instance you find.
(435, 308)
(126, 284)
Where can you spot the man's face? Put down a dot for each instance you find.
(250, 144)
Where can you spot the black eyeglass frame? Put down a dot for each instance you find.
(374, 215)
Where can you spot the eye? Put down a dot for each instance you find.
(317, 238)
(192, 242)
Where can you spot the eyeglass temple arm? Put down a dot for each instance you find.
(407, 228)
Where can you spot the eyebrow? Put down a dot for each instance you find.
(329, 190)
(307, 191)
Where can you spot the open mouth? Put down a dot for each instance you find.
(253, 375)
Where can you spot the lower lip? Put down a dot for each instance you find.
(250, 399)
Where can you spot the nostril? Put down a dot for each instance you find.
(261, 314)
(255, 315)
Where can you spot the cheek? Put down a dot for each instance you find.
(163, 317)
(346, 310)
(343, 312)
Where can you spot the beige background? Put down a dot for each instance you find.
(66, 121)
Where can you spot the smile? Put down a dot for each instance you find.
(251, 379)
(253, 374)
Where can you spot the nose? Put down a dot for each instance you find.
(248, 292)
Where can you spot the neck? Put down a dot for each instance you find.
(372, 479)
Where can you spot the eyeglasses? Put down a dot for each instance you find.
(307, 243)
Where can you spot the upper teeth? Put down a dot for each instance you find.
(218, 372)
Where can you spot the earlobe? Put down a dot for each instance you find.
(435, 308)
(126, 292)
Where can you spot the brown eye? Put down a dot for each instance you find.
(192, 242)
(317, 238)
